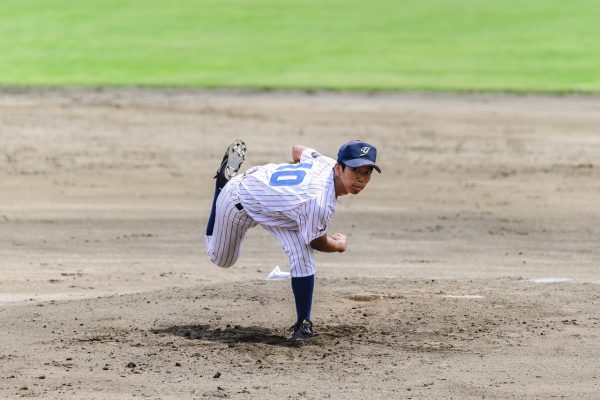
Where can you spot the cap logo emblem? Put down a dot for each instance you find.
(364, 151)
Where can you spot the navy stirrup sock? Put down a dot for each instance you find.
(303, 292)
(213, 212)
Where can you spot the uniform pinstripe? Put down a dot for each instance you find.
(225, 244)
(294, 202)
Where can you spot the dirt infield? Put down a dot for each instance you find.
(472, 269)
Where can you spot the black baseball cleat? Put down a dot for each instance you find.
(302, 330)
(232, 160)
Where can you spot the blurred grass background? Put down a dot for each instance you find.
(460, 45)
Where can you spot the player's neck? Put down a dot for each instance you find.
(339, 187)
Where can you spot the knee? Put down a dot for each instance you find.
(223, 259)
(221, 262)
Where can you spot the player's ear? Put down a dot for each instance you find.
(337, 169)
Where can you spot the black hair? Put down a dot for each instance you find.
(342, 165)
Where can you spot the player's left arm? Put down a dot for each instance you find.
(297, 152)
(336, 243)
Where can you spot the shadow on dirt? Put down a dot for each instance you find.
(229, 335)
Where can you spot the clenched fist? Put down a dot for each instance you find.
(341, 241)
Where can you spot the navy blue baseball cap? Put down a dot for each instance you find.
(357, 153)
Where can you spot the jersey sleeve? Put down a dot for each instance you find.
(309, 154)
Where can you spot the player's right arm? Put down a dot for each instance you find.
(335, 243)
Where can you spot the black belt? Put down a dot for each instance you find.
(239, 206)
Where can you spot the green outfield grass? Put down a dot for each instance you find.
(510, 45)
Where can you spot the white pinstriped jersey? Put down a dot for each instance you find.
(294, 202)
(296, 197)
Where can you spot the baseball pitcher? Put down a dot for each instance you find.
(294, 202)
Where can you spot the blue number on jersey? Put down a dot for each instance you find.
(289, 175)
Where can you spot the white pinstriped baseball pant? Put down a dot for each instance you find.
(231, 223)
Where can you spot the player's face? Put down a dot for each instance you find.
(354, 179)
